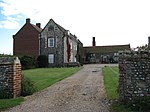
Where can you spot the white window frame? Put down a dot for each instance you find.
(51, 58)
(50, 42)
(75, 47)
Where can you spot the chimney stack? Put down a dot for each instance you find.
(94, 42)
(149, 40)
(28, 20)
(38, 25)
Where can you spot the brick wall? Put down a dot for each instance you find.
(10, 77)
(26, 42)
(134, 75)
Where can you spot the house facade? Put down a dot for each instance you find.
(59, 45)
(103, 54)
(26, 41)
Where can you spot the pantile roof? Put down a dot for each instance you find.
(37, 28)
(106, 49)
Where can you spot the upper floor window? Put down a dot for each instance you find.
(51, 28)
(50, 42)
(55, 28)
(75, 47)
(71, 45)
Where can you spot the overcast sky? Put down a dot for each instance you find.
(111, 22)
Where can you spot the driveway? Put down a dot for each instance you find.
(82, 92)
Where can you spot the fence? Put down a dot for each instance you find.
(10, 77)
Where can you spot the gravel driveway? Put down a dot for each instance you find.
(82, 92)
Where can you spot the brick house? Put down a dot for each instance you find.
(59, 45)
(103, 54)
(26, 40)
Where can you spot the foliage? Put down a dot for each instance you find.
(4, 94)
(44, 77)
(116, 107)
(8, 103)
(142, 48)
(5, 55)
(42, 61)
(27, 62)
(140, 104)
(73, 64)
(27, 86)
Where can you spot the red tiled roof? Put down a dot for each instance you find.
(37, 28)
(106, 49)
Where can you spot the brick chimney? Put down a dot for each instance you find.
(38, 25)
(28, 20)
(148, 40)
(94, 42)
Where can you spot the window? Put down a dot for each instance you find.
(71, 45)
(75, 47)
(55, 28)
(51, 58)
(50, 42)
(51, 28)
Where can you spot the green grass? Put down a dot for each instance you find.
(8, 103)
(42, 78)
(111, 82)
(111, 76)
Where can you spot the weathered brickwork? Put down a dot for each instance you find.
(26, 40)
(10, 77)
(134, 75)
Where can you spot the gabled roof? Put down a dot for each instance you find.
(60, 27)
(37, 28)
(106, 49)
(34, 26)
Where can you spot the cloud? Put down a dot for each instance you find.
(9, 24)
(14, 11)
(105, 19)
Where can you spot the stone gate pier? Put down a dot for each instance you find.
(10, 77)
(134, 75)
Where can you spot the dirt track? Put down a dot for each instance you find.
(82, 92)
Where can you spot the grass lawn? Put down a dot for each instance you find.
(8, 103)
(42, 78)
(111, 82)
(111, 86)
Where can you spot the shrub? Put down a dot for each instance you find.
(73, 64)
(4, 94)
(42, 61)
(140, 104)
(27, 62)
(27, 86)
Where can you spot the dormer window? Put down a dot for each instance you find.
(50, 42)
